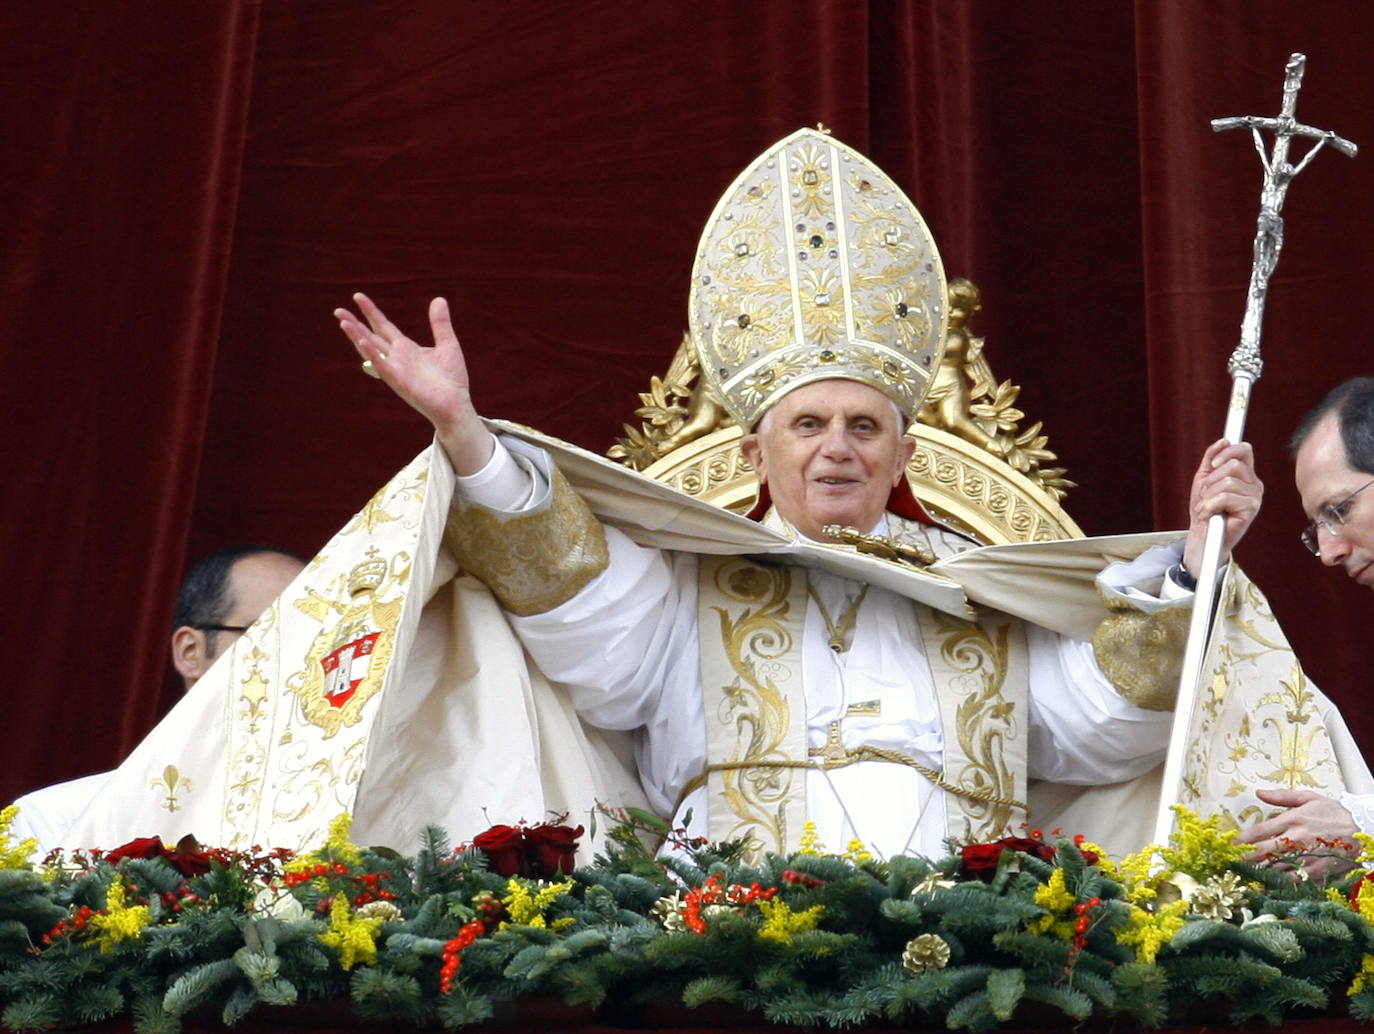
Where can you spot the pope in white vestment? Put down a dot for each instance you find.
(767, 677)
(628, 648)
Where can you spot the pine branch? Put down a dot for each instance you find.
(432, 871)
(197, 985)
(97, 1003)
(1277, 940)
(277, 992)
(1361, 1005)
(1005, 988)
(1095, 985)
(151, 1018)
(971, 1011)
(905, 913)
(238, 1005)
(1070, 1002)
(1141, 991)
(797, 1010)
(711, 989)
(41, 1012)
(460, 1009)
(382, 995)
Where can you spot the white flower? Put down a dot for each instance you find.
(278, 903)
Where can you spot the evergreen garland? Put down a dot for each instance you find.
(812, 939)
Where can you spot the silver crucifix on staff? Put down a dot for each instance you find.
(1244, 368)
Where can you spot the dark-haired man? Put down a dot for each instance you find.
(1333, 465)
(220, 597)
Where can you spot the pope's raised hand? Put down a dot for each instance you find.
(433, 379)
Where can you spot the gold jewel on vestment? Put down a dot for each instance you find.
(813, 266)
(914, 553)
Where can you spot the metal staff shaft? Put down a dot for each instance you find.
(1244, 367)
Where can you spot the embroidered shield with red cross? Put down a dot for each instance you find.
(346, 667)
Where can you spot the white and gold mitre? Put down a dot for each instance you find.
(815, 265)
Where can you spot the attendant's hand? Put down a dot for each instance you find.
(434, 380)
(1225, 483)
(1309, 820)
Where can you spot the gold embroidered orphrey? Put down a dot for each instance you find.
(345, 664)
(755, 709)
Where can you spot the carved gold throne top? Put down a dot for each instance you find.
(974, 467)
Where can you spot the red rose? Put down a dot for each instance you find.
(189, 863)
(980, 860)
(1038, 848)
(550, 850)
(504, 847)
(143, 847)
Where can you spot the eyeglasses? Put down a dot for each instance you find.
(221, 628)
(1332, 518)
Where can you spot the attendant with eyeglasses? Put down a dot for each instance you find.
(1333, 465)
(220, 597)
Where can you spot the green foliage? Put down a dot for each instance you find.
(1070, 1001)
(1276, 940)
(196, 985)
(151, 1018)
(806, 940)
(1141, 991)
(1361, 1006)
(239, 1004)
(711, 989)
(379, 994)
(460, 1009)
(39, 1012)
(1005, 988)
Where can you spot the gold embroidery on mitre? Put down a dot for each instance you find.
(347, 662)
(815, 265)
(1142, 654)
(535, 561)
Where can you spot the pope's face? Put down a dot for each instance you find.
(830, 453)
(1325, 479)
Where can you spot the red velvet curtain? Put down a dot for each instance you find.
(188, 191)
